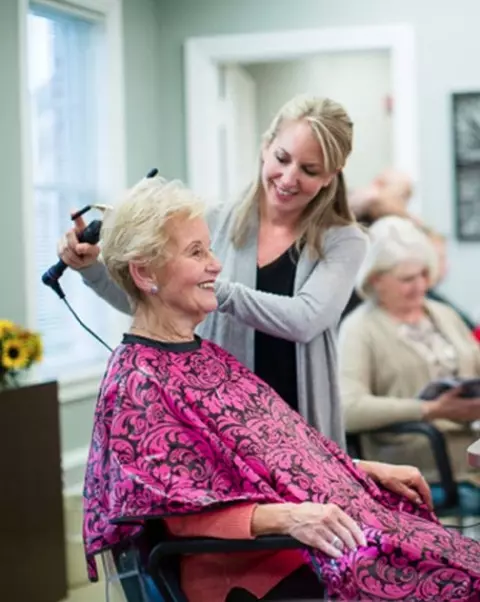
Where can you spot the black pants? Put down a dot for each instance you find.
(302, 584)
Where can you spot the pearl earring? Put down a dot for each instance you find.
(154, 289)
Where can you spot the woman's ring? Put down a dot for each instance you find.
(337, 543)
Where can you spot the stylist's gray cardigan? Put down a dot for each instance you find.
(322, 289)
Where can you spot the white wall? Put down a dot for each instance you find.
(360, 81)
(240, 129)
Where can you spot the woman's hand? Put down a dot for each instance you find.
(75, 254)
(326, 527)
(404, 480)
(322, 526)
(451, 406)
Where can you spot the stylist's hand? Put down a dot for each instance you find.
(404, 480)
(75, 254)
(324, 526)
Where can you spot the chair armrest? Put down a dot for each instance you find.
(354, 445)
(210, 545)
(163, 560)
(438, 446)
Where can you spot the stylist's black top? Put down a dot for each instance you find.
(275, 360)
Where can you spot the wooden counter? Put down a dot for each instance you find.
(32, 548)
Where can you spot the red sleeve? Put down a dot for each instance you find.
(234, 522)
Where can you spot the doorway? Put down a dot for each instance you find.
(252, 94)
(214, 66)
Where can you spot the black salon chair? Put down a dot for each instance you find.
(163, 563)
(157, 556)
(445, 493)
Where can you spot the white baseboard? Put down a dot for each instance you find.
(73, 468)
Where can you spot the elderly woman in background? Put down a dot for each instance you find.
(389, 194)
(185, 432)
(398, 341)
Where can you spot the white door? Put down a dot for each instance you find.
(361, 81)
(241, 140)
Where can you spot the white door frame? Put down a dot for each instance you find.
(204, 55)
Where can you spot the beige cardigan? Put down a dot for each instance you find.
(380, 376)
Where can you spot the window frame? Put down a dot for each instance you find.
(73, 389)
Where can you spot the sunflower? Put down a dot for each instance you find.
(6, 327)
(36, 348)
(14, 355)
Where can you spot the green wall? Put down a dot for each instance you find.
(447, 44)
(143, 87)
(12, 257)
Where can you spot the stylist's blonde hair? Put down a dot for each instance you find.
(334, 131)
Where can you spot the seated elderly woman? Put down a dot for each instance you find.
(399, 341)
(185, 433)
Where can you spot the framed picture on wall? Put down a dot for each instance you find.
(466, 134)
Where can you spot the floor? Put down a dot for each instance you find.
(90, 593)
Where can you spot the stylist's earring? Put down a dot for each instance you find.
(154, 289)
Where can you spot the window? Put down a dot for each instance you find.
(67, 84)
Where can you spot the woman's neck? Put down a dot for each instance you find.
(278, 220)
(407, 316)
(168, 328)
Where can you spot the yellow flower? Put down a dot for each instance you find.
(14, 355)
(19, 347)
(6, 327)
(36, 348)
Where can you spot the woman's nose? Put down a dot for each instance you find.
(290, 176)
(214, 265)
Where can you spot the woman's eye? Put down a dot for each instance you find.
(310, 172)
(281, 159)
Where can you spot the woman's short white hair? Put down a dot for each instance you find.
(393, 241)
(136, 229)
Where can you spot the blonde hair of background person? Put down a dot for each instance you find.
(397, 342)
(285, 334)
(388, 194)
